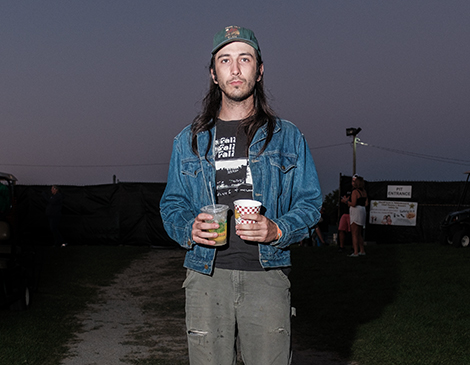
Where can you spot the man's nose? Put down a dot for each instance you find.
(235, 69)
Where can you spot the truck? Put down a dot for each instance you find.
(17, 271)
(456, 226)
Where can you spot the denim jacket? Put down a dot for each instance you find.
(285, 181)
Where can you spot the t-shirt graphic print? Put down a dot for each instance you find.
(233, 173)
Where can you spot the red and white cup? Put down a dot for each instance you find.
(246, 206)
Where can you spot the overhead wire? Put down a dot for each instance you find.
(454, 161)
(88, 166)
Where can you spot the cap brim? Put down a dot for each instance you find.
(223, 44)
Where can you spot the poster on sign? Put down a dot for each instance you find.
(393, 213)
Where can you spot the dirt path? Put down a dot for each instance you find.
(140, 319)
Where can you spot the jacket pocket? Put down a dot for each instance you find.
(190, 168)
(280, 179)
(285, 163)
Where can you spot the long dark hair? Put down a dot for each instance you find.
(360, 184)
(211, 105)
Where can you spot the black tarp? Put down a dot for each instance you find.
(114, 214)
(435, 200)
(128, 213)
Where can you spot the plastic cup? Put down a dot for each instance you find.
(219, 213)
(246, 206)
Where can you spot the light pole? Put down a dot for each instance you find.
(353, 132)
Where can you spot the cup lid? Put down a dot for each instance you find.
(217, 208)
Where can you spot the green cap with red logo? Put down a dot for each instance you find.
(234, 33)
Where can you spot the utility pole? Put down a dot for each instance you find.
(353, 132)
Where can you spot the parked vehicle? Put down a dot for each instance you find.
(456, 226)
(16, 263)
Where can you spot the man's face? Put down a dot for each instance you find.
(54, 190)
(235, 70)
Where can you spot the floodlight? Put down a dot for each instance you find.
(353, 131)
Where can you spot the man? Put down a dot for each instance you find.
(236, 148)
(54, 213)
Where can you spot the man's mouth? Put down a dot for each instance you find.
(236, 82)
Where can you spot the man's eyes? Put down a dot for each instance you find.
(243, 59)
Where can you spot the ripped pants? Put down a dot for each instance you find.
(253, 305)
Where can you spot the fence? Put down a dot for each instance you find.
(435, 200)
(128, 213)
(114, 214)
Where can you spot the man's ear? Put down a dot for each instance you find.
(214, 76)
(261, 72)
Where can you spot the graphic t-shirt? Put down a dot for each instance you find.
(234, 182)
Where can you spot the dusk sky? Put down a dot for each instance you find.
(92, 89)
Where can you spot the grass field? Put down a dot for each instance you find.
(400, 304)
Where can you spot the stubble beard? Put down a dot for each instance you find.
(238, 95)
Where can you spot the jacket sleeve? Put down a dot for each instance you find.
(303, 211)
(175, 207)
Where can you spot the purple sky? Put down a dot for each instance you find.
(92, 89)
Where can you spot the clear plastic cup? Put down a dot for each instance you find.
(246, 206)
(219, 213)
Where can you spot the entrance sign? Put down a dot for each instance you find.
(399, 191)
(393, 213)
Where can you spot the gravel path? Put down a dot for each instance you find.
(140, 319)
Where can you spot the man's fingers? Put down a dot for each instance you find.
(200, 232)
(204, 237)
(264, 230)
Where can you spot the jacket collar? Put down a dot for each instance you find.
(262, 132)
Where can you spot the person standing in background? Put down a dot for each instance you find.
(357, 214)
(54, 214)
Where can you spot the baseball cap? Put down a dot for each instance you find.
(234, 33)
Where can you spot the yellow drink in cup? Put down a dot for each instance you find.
(219, 213)
(221, 239)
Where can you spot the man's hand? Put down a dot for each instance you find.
(264, 230)
(200, 229)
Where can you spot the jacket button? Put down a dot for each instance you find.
(283, 167)
(206, 267)
(189, 243)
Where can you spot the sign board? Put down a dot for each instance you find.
(393, 213)
(399, 191)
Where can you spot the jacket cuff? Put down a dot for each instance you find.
(189, 243)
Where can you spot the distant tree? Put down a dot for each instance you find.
(330, 203)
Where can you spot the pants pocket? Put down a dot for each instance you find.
(189, 276)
